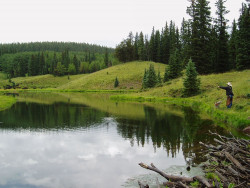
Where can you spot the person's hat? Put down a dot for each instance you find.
(229, 84)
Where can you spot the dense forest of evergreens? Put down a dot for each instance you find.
(51, 46)
(202, 38)
(58, 58)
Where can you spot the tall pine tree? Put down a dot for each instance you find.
(199, 11)
(141, 47)
(221, 26)
(243, 49)
(233, 46)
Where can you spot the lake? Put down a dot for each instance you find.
(64, 140)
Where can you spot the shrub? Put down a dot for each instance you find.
(116, 84)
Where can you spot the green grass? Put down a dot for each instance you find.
(40, 82)
(6, 102)
(237, 116)
(130, 78)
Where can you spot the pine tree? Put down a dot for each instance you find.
(159, 77)
(152, 54)
(185, 39)
(65, 58)
(233, 46)
(165, 45)
(152, 78)
(76, 65)
(141, 47)
(243, 50)
(145, 79)
(166, 75)
(191, 81)
(42, 64)
(32, 66)
(172, 37)
(177, 39)
(136, 55)
(201, 21)
(157, 45)
(221, 27)
(106, 57)
(213, 53)
(54, 63)
(116, 84)
(174, 65)
(130, 47)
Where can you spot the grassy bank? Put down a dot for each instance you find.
(230, 117)
(6, 102)
(237, 116)
(130, 78)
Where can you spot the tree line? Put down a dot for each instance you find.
(56, 63)
(202, 38)
(52, 46)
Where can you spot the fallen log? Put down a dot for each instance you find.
(223, 178)
(182, 184)
(203, 181)
(168, 177)
(235, 161)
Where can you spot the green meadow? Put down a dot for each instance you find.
(130, 79)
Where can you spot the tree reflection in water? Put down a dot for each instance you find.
(172, 132)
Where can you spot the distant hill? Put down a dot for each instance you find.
(52, 46)
(129, 75)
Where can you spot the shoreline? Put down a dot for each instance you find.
(229, 117)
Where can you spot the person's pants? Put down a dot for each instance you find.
(229, 101)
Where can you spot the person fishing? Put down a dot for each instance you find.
(229, 93)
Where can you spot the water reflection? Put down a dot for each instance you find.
(92, 143)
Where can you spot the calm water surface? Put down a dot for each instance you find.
(86, 140)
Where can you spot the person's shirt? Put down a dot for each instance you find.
(229, 90)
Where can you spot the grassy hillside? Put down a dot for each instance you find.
(43, 81)
(129, 75)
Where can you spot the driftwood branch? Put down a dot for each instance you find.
(168, 177)
(203, 181)
(235, 161)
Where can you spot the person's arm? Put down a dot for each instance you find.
(223, 87)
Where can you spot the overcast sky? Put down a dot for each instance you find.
(103, 22)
